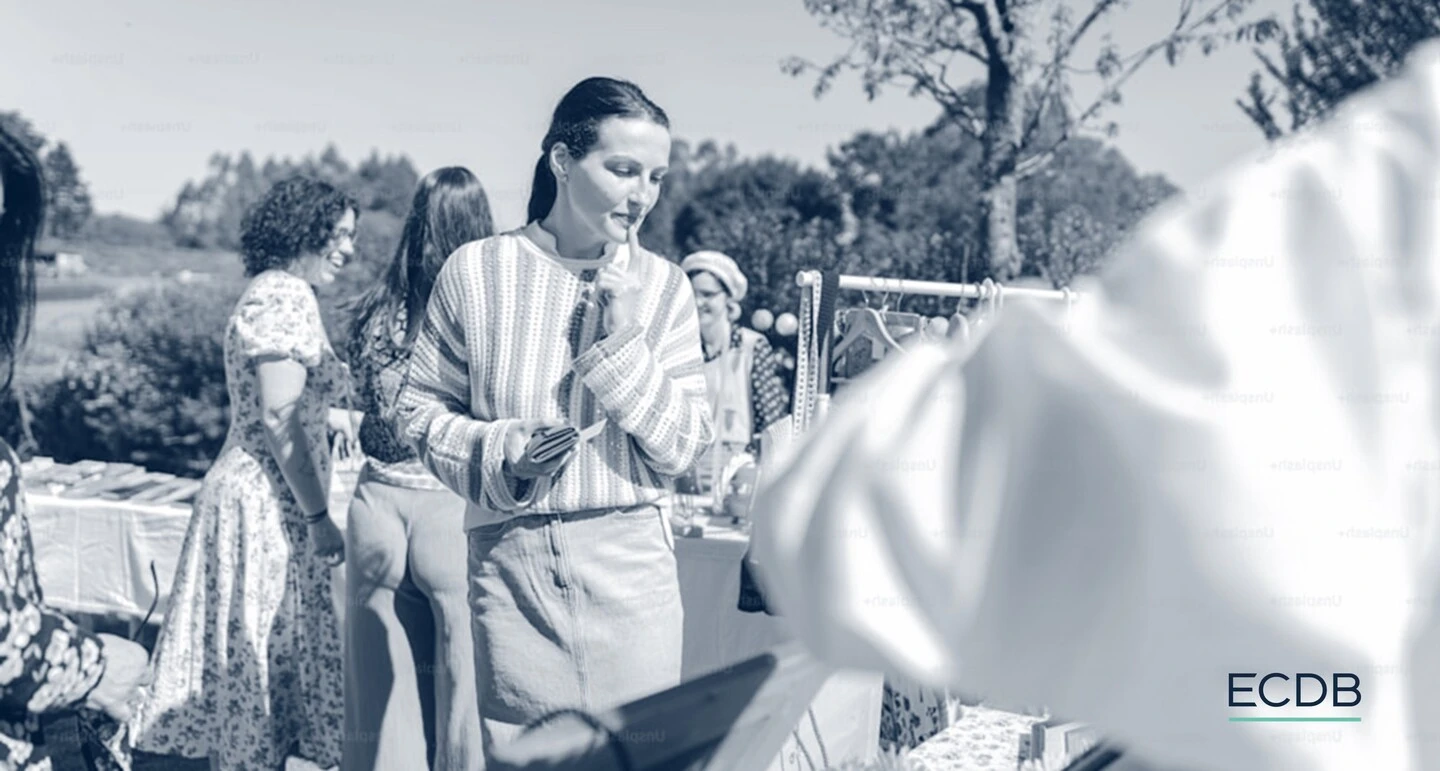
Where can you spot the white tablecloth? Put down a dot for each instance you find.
(94, 557)
(717, 634)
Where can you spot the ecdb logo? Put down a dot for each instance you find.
(1265, 690)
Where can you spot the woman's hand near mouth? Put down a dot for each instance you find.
(618, 290)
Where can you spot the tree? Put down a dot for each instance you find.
(386, 184)
(1336, 49)
(902, 206)
(918, 44)
(67, 197)
(18, 125)
(772, 216)
(691, 170)
(195, 219)
(1080, 206)
(207, 214)
(917, 199)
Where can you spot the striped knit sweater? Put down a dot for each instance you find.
(508, 336)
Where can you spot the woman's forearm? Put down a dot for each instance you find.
(291, 447)
(340, 416)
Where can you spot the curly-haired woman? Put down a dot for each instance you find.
(248, 666)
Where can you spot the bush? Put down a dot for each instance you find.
(148, 384)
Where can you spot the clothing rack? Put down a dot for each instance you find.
(812, 360)
(1051, 739)
(905, 286)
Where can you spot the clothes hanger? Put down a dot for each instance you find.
(908, 323)
(867, 324)
(898, 317)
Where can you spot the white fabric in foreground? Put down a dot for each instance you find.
(1226, 462)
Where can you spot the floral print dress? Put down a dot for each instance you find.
(248, 662)
(47, 664)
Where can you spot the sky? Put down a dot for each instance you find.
(145, 91)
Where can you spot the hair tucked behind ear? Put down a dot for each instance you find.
(577, 122)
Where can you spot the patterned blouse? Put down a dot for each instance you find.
(379, 362)
(768, 400)
(47, 664)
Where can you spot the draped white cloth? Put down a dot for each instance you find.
(1225, 461)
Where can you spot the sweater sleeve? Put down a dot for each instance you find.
(657, 396)
(433, 412)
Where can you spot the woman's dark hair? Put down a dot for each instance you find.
(19, 225)
(450, 209)
(577, 122)
(297, 216)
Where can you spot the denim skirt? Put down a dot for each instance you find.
(573, 611)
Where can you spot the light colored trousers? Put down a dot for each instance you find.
(578, 610)
(409, 662)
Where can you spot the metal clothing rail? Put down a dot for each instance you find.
(812, 360)
(905, 286)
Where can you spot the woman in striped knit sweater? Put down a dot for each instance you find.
(567, 324)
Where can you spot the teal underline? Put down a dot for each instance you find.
(1294, 719)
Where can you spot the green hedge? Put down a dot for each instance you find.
(147, 385)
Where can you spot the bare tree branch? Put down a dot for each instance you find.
(1096, 11)
(1179, 33)
(970, 51)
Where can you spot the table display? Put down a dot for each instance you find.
(94, 549)
(108, 535)
(844, 718)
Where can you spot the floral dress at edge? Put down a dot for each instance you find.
(46, 663)
(248, 662)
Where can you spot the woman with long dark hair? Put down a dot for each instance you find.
(409, 661)
(248, 662)
(48, 665)
(557, 384)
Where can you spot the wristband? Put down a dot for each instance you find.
(317, 517)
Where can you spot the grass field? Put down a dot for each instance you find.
(65, 307)
(106, 260)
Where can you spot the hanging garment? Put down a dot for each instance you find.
(1226, 465)
(869, 336)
